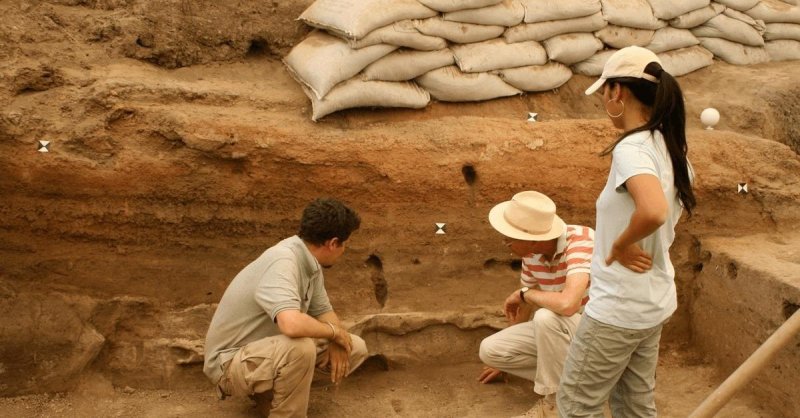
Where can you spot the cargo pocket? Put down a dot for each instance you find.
(253, 367)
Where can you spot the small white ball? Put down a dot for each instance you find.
(709, 117)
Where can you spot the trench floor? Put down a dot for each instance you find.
(418, 390)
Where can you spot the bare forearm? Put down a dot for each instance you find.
(642, 224)
(295, 324)
(331, 317)
(557, 302)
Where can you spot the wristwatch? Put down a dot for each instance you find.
(522, 293)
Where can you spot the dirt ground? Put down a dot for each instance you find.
(425, 391)
(181, 149)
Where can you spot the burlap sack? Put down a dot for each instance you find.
(359, 93)
(670, 9)
(461, 33)
(776, 31)
(685, 60)
(572, 48)
(508, 13)
(631, 13)
(740, 5)
(404, 64)
(549, 10)
(734, 53)
(537, 77)
(322, 61)
(742, 17)
(775, 11)
(354, 19)
(456, 5)
(402, 33)
(497, 54)
(593, 66)
(545, 30)
(669, 38)
(734, 30)
(783, 50)
(448, 84)
(621, 37)
(697, 17)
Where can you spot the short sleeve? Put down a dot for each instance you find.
(277, 288)
(319, 300)
(526, 278)
(631, 159)
(579, 252)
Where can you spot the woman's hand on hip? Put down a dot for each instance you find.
(631, 257)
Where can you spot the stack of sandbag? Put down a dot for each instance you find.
(354, 34)
(782, 33)
(734, 37)
(562, 30)
(645, 23)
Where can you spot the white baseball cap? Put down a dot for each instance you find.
(627, 62)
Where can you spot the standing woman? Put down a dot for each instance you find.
(615, 349)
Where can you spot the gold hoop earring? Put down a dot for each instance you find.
(620, 113)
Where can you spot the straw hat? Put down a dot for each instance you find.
(528, 216)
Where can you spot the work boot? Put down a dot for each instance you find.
(544, 408)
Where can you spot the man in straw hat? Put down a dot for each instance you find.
(555, 278)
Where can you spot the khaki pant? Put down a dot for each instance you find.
(604, 361)
(284, 366)
(534, 350)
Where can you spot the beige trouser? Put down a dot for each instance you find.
(534, 350)
(604, 361)
(284, 366)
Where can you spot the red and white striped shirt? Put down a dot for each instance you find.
(573, 255)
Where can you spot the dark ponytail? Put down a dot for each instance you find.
(667, 115)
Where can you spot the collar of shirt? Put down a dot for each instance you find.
(308, 262)
(561, 246)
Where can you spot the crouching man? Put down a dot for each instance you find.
(556, 259)
(275, 324)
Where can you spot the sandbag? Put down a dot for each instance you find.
(670, 9)
(404, 64)
(572, 48)
(740, 5)
(783, 50)
(774, 11)
(734, 53)
(448, 84)
(669, 38)
(537, 77)
(497, 54)
(547, 10)
(354, 19)
(593, 66)
(359, 93)
(685, 60)
(756, 24)
(402, 33)
(631, 13)
(462, 33)
(545, 30)
(508, 13)
(697, 17)
(777, 31)
(731, 29)
(621, 37)
(321, 61)
(456, 5)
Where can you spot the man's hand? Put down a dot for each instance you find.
(631, 257)
(511, 306)
(339, 360)
(490, 374)
(342, 339)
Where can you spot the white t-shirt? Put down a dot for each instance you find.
(619, 296)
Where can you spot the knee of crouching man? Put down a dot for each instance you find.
(545, 318)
